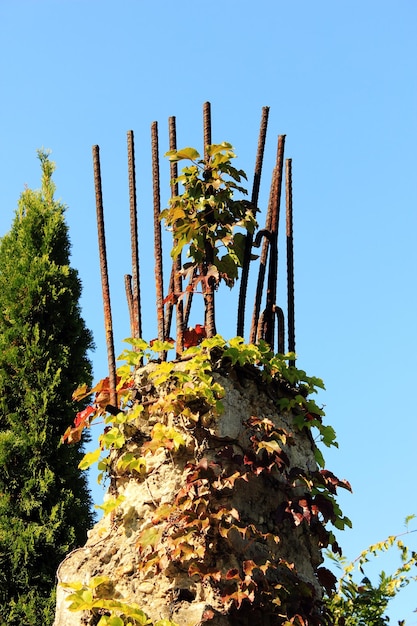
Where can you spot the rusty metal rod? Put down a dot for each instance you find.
(173, 169)
(271, 291)
(136, 296)
(129, 298)
(249, 236)
(208, 288)
(169, 306)
(108, 324)
(266, 235)
(290, 258)
(177, 264)
(159, 283)
(281, 328)
(189, 298)
(206, 127)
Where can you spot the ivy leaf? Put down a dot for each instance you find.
(114, 620)
(328, 436)
(149, 537)
(327, 579)
(238, 597)
(81, 600)
(89, 458)
(81, 392)
(164, 437)
(271, 446)
(97, 581)
(319, 457)
(227, 267)
(248, 567)
(130, 462)
(162, 513)
(161, 346)
(113, 438)
(110, 505)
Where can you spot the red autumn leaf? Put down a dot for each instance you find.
(331, 481)
(304, 506)
(102, 385)
(325, 506)
(172, 298)
(248, 567)
(327, 579)
(200, 330)
(194, 336)
(72, 435)
(83, 416)
(204, 572)
(102, 398)
(238, 597)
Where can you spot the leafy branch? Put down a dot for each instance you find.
(204, 219)
(361, 603)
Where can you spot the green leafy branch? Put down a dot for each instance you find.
(204, 217)
(361, 603)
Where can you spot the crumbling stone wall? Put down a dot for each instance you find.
(255, 499)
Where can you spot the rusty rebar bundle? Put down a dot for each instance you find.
(267, 323)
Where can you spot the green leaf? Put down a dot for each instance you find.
(149, 536)
(215, 148)
(184, 153)
(110, 504)
(319, 457)
(114, 620)
(328, 436)
(162, 346)
(98, 580)
(89, 458)
(130, 462)
(113, 439)
(82, 600)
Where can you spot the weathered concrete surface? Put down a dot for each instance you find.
(112, 550)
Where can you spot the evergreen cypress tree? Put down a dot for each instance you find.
(45, 506)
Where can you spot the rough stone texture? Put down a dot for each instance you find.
(111, 549)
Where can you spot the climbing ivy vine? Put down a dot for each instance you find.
(179, 534)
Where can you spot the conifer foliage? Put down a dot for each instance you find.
(45, 507)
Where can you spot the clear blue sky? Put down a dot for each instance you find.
(340, 78)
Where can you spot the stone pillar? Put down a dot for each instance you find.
(218, 525)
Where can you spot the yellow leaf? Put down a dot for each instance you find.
(89, 458)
